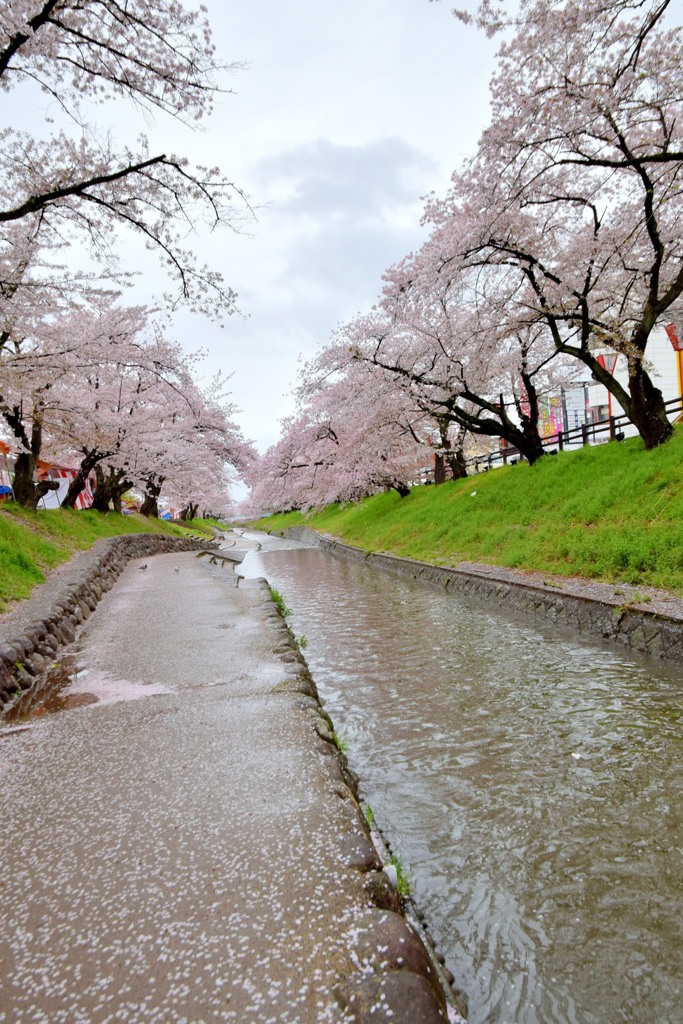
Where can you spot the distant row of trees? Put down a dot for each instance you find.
(560, 239)
(104, 392)
(85, 379)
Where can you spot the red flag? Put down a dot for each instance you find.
(673, 337)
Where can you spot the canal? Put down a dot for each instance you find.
(529, 782)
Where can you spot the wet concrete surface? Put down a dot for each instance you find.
(174, 842)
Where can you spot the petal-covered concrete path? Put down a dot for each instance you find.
(179, 842)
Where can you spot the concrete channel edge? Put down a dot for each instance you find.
(32, 633)
(612, 619)
(409, 975)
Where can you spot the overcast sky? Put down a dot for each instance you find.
(345, 117)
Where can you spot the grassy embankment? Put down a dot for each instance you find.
(613, 513)
(33, 543)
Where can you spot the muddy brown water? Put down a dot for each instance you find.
(529, 782)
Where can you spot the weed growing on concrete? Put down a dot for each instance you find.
(402, 877)
(637, 599)
(369, 815)
(280, 602)
(302, 642)
(340, 742)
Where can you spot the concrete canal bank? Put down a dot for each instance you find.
(181, 838)
(640, 619)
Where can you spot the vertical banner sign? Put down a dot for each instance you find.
(677, 346)
(608, 361)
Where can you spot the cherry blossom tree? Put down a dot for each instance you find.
(102, 390)
(353, 435)
(577, 180)
(113, 404)
(158, 430)
(464, 343)
(494, 16)
(160, 57)
(559, 239)
(194, 449)
(447, 350)
(54, 386)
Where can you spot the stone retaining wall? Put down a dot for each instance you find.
(612, 614)
(31, 634)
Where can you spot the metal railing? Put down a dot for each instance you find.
(615, 428)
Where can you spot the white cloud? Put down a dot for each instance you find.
(341, 215)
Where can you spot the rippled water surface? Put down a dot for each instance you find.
(530, 783)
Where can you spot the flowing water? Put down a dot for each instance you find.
(530, 783)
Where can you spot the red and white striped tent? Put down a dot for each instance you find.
(63, 475)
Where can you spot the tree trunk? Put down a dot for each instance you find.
(101, 497)
(189, 512)
(400, 487)
(439, 468)
(26, 491)
(525, 439)
(648, 411)
(23, 486)
(119, 486)
(454, 457)
(643, 403)
(529, 444)
(150, 506)
(77, 485)
(533, 445)
(456, 461)
(110, 488)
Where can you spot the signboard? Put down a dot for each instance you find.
(608, 360)
(550, 420)
(575, 405)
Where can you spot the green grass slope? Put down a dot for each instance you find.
(613, 513)
(33, 543)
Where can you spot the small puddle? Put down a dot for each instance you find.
(64, 702)
(68, 686)
(52, 696)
